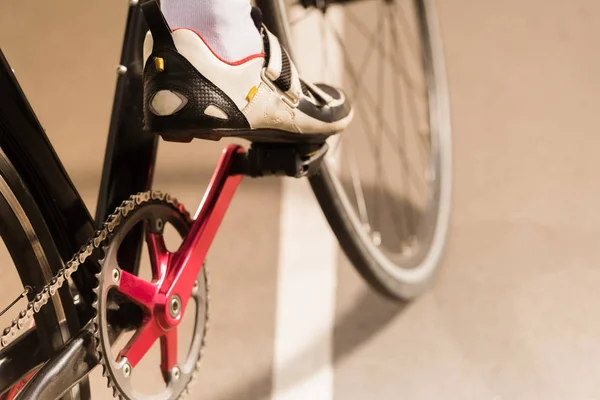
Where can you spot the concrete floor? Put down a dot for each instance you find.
(511, 314)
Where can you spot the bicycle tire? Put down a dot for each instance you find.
(388, 278)
(26, 238)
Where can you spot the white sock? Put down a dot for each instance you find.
(225, 25)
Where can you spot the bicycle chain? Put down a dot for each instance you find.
(97, 242)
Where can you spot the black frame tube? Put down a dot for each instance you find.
(54, 209)
(65, 369)
(14, 366)
(61, 206)
(127, 138)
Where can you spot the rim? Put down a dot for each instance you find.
(403, 229)
(37, 249)
(13, 211)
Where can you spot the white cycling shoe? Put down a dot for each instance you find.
(189, 92)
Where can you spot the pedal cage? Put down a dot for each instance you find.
(297, 160)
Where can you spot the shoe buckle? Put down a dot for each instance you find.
(288, 98)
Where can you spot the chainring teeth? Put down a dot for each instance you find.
(95, 250)
(124, 212)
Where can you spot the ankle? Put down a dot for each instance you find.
(225, 26)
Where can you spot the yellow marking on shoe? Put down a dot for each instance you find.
(251, 93)
(159, 64)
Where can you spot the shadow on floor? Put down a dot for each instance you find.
(369, 315)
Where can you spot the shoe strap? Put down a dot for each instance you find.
(161, 32)
(280, 69)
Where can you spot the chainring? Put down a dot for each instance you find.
(154, 213)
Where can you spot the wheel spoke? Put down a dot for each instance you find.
(389, 55)
(367, 101)
(168, 351)
(380, 118)
(364, 95)
(398, 68)
(324, 57)
(401, 60)
(358, 190)
(137, 289)
(357, 83)
(140, 343)
(369, 106)
(399, 13)
(406, 222)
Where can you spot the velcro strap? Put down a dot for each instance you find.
(275, 57)
(280, 69)
(161, 32)
(295, 88)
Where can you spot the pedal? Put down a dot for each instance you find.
(295, 160)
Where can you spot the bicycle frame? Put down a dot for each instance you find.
(71, 224)
(65, 213)
(79, 357)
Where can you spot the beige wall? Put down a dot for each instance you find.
(513, 314)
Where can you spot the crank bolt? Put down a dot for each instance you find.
(159, 225)
(175, 306)
(116, 275)
(126, 370)
(175, 374)
(121, 70)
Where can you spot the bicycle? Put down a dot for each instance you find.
(81, 275)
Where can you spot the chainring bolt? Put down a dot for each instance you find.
(159, 225)
(126, 370)
(175, 373)
(116, 275)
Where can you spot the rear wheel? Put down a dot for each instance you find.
(27, 243)
(385, 187)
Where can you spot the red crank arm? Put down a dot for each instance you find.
(186, 263)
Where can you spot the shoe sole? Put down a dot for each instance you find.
(254, 135)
